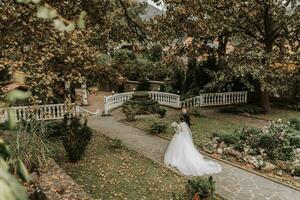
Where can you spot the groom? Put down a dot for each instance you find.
(186, 116)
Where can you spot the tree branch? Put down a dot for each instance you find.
(135, 27)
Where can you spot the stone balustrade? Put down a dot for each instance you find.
(173, 100)
(39, 112)
(216, 99)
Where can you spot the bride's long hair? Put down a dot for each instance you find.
(184, 126)
(181, 119)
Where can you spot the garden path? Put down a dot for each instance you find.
(232, 183)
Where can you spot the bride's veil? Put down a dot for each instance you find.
(185, 128)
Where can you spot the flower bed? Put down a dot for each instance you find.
(275, 151)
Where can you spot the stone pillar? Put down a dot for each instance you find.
(84, 94)
(105, 106)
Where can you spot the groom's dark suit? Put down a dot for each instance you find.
(186, 118)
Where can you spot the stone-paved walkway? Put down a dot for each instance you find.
(232, 183)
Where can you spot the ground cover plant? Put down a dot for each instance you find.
(274, 150)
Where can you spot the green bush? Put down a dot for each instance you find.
(286, 153)
(140, 96)
(297, 171)
(267, 141)
(141, 103)
(76, 138)
(295, 141)
(228, 138)
(295, 123)
(239, 146)
(204, 187)
(53, 129)
(144, 85)
(158, 127)
(130, 111)
(115, 143)
(162, 112)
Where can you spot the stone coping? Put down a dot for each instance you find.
(58, 185)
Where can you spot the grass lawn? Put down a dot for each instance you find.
(205, 125)
(283, 114)
(202, 129)
(106, 173)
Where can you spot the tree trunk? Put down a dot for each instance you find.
(264, 94)
(265, 101)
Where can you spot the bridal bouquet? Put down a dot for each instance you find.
(174, 124)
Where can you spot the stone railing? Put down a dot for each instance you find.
(227, 98)
(43, 112)
(192, 102)
(39, 112)
(115, 101)
(216, 99)
(166, 99)
(163, 98)
(173, 100)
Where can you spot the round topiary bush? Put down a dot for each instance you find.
(143, 103)
(144, 85)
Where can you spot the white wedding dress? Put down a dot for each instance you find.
(183, 155)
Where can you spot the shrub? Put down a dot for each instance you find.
(267, 141)
(297, 171)
(53, 129)
(140, 96)
(295, 141)
(144, 85)
(76, 138)
(239, 146)
(130, 111)
(295, 123)
(141, 103)
(162, 112)
(31, 145)
(115, 143)
(158, 127)
(250, 132)
(204, 187)
(228, 138)
(286, 153)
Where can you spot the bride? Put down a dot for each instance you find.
(183, 155)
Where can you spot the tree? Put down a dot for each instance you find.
(263, 36)
(51, 51)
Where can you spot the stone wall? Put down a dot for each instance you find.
(130, 85)
(58, 185)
